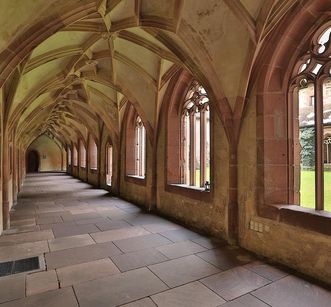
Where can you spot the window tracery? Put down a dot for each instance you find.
(196, 137)
(311, 101)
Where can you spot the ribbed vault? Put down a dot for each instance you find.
(71, 65)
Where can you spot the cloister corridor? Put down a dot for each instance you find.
(100, 251)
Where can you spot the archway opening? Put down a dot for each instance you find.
(33, 161)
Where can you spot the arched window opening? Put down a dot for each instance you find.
(140, 148)
(75, 157)
(196, 137)
(135, 162)
(69, 156)
(82, 150)
(311, 126)
(109, 164)
(327, 149)
(93, 154)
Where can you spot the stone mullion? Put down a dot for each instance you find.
(319, 163)
(192, 148)
(202, 147)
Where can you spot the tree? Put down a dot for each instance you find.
(307, 142)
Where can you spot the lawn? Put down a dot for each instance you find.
(308, 191)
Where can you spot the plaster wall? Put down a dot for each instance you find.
(49, 153)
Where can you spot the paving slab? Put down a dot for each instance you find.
(24, 250)
(293, 291)
(119, 234)
(135, 260)
(145, 302)
(26, 237)
(183, 270)
(180, 249)
(56, 298)
(82, 254)
(12, 287)
(72, 230)
(141, 242)
(193, 294)
(41, 282)
(70, 242)
(119, 289)
(234, 283)
(83, 272)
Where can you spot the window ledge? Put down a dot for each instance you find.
(319, 221)
(135, 176)
(136, 179)
(189, 191)
(192, 187)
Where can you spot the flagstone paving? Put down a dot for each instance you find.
(103, 251)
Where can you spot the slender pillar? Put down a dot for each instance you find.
(5, 182)
(319, 163)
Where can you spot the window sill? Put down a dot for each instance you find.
(189, 191)
(136, 179)
(186, 186)
(311, 219)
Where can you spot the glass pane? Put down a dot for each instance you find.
(137, 157)
(208, 146)
(197, 149)
(109, 164)
(143, 151)
(327, 143)
(186, 150)
(307, 146)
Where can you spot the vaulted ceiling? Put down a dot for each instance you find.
(68, 66)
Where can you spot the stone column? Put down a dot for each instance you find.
(5, 181)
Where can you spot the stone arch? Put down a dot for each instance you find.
(273, 98)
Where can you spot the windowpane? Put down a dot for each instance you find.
(93, 153)
(186, 144)
(82, 155)
(109, 164)
(307, 146)
(197, 150)
(327, 143)
(69, 156)
(196, 137)
(207, 145)
(140, 148)
(75, 156)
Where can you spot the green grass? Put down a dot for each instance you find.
(308, 191)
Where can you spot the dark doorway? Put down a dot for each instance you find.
(33, 162)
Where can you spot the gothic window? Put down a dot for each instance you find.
(75, 162)
(82, 150)
(109, 164)
(93, 154)
(196, 137)
(311, 123)
(140, 148)
(135, 144)
(69, 156)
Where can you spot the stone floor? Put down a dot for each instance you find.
(103, 251)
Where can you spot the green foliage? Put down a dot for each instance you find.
(307, 141)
